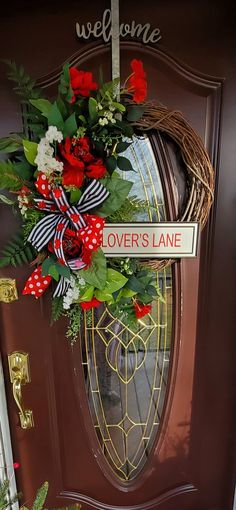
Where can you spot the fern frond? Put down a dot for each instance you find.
(17, 252)
(57, 309)
(25, 85)
(129, 209)
(40, 497)
(8, 177)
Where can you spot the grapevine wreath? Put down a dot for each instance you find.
(66, 180)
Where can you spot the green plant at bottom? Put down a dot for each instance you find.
(38, 504)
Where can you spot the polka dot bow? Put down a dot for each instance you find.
(61, 215)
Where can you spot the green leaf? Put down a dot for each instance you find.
(75, 195)
(122, 146)
(96, 274)
(93, 114)
(124, 164)
(54, 272)
(127, 293)
(57, 309)
(83, 119)
(150, 289)
(70, 126)
(63, 270)
(87, 295)
(46, 265)
(54, 117)
(65, 87)
(10, 143)
(125, 128)
(135, 113)
(119, 190)
(110, 164)
(23, 168)
(120, 107)
(103, 295)
(115, 280)
(30, 150)
(43, 105)
(6, 200)
(145, 298)
(135, 285)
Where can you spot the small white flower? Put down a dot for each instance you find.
(53, 135)
(72, 294)
(99, 106)
(103, 121)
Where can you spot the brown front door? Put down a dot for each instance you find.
(95, 439)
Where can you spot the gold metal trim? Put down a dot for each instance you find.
(127, 355)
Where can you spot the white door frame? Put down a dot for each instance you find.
(6, 456)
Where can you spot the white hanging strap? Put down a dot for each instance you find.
(115, 42)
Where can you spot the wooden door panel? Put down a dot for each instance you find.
(63, 446)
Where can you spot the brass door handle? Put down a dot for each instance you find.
(19, 375)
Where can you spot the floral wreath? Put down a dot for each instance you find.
(66, 178)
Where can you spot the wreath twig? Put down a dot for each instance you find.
(200, 173)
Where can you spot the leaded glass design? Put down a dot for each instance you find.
(125, 372)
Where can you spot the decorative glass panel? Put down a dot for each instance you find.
(126, 373)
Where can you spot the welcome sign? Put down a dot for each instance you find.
(155, 240)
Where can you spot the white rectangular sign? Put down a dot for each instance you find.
(150, 240)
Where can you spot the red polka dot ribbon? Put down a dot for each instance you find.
(91, 235)
(36, 283)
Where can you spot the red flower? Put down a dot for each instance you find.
(141, 310)
(71, 155)
(81, 83)
(137, 82)
(72, 177)
(96, 170)
(87, 305)
(75, 153)
(79, 161)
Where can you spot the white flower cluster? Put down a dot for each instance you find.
(22, 204)
(53, 135)
(45, 153)
(106, 115)
(73, 292)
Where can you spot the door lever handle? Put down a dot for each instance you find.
(19, 376)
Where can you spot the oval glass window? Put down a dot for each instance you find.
(126, 372)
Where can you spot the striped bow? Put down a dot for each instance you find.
(62, 214)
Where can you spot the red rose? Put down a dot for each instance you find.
(141, 310)
(81, 83)
(72, 177)
(70, 155)
(137, 82)
(81, 149)
(87, 305)
(96, 170)
(73, 172)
